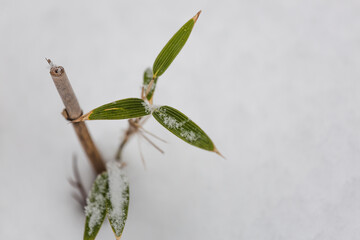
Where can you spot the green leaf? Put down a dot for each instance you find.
(148, 75)
(173, 47)
(95, 209)
(118, 203)
(180, 125)
(121, 109)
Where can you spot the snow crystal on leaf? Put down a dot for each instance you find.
(96, 203)
(189, 135)
(169, 121)
(149, 108)
(119, 197)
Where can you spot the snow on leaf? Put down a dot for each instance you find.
(170, 121)
(95, 209)
(147, 107)
(181, 126)
(118, 203)
(189, 135)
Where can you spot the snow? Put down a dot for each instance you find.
(169, 121)
(189, 135)
(275, 85)
(94, 208)
(172, 123)
(149, 108)
(118, 185)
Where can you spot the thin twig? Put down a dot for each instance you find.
(151, 134)
(135, 125)
(139, 125)
(151, 142)
(141, 153)
(77, 184)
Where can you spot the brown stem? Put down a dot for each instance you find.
(73, 111)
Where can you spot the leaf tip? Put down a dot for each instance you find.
(196, 16)
(218, 153)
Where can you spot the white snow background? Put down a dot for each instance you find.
(275, 84)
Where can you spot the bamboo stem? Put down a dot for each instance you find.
(73, 111)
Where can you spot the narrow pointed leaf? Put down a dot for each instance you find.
(121, 109)
(180, 125)
(118, 203)
(95, 209)
(173, 47)
(148, 75)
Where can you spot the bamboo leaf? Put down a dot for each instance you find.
(118, 202)
(173, 47)
(95, 210)
(121, 109)
(148, 76)
(180, 125)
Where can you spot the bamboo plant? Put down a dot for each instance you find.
(109, 195)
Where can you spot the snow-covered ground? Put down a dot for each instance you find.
(275, 84)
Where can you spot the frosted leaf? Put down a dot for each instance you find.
(149, 108)
(118, 198)
(95, 209)
(170, 121)
(189, 135)
(181, 126)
